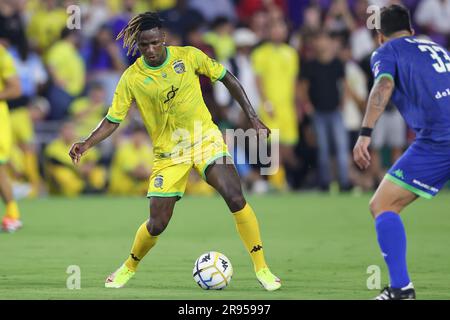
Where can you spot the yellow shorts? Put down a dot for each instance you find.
(22, 126)
(170, 174)
(5, 135)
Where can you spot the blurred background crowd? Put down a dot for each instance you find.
(305, 65)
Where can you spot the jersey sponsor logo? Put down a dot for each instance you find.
(164, 75)
(171, 94)
(425, 186)
(178, 66)
(159, 181)
(442, 94)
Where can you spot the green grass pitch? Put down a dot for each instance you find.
(319, 245)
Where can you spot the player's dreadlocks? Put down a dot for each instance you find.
(141, 22)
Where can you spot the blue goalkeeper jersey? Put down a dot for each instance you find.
(421, 72)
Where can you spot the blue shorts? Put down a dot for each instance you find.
(423, 169)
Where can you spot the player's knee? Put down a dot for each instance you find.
(236, 201)
(373, 207)
(157, 226)
(377, 206)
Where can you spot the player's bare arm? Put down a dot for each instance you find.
(234, 86)
(11, 89)
(378, 100)
(103, 131)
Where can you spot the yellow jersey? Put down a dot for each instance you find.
(45, 26)
(169, 98)
(68, 66)
(90, 115)
(7, 70)
(129, 157)
(277, 66)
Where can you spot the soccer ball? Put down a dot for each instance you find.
(212, 271)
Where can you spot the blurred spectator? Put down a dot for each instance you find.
(339, 18)
(241, 66)
(259, 24)
(159, 5)
(88, 111)
(94, 13)
(354, 104)
(119, 21)
(12, 29)
(104, 60)
(132, 165)
(32, 76)
(181, 18)
(355, 95)
(434, 17)
(361, 38)
(194, 37)
(212, 9)
(63, 176)
(67, 73)
(46, 24)
(276, 65)
(247, 8)
(220, 38)
(312, 25)
(322, 88)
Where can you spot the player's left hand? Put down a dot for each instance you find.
(361, 153)
(262, 130)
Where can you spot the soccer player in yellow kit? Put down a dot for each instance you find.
(165, 86)
(9, 89)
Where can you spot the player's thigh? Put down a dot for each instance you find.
(390, 197)
(5, 135)
(223, 177)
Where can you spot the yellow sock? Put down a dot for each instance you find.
(12, 210)
(143, 242)
(247, 226)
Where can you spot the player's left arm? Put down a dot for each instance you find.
(378, 100)
(12, 89)
(238, 93)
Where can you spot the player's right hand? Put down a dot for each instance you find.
(361, 153)
(77, 150)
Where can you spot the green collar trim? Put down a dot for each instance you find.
(160, 66)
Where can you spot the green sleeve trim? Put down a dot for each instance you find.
(112, 119)
(3, 161)
(408, 187)
(165, 195)
(210, 161)
(385, 75)
(224, 72)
